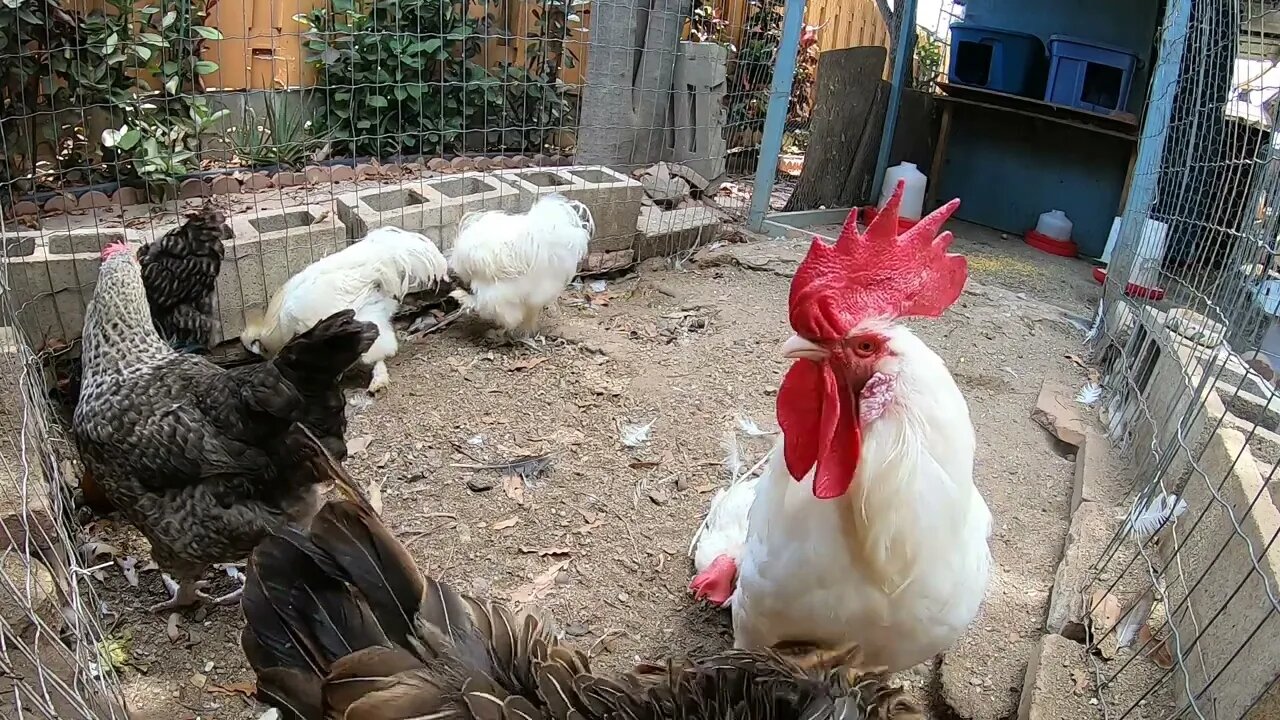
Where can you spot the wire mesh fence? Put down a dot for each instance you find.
(1187, 587)
(308, 125)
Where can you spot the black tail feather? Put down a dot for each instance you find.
(319, 356)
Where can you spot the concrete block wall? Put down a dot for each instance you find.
(1229, 562)
(52, 274)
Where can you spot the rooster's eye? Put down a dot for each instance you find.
(864, 348)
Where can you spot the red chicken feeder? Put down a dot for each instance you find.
(870, 212)
(1044, 243)
(1133, 290)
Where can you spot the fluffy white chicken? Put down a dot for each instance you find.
(883, 541)
(514, 266)
(371, 277)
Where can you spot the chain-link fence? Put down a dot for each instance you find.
(1187, 342)
(308, 125)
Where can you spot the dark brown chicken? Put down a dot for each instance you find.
(341, 624)
(205, 461)
(180, 271)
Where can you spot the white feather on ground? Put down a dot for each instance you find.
(371, 277)
(749, 427)
(635, 435)
(1090, 394)
(514, 266)
(1161, 509)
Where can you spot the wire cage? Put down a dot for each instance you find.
(1183, 339)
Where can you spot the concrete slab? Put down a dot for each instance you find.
(666, 232)
(1099, 476)
(613, 198)
(1090, 531)
(268, 249)
(1059, 684)
(1057, 411)
(1231, 563)
(700, 117)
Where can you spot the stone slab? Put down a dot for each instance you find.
(1090, 530)
(1057, 411)
(666, 232)
(1058, 683)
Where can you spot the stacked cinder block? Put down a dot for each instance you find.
(51, 276)
(431, 207)
(612, 198)
(268, 249)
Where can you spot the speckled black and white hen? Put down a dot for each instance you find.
(205, 461)
(180, 272)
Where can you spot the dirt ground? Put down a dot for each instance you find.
(601, 538)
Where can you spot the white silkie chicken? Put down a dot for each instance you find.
(371, 277)
(883, 541)
(514, 266)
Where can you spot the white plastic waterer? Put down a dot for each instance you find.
(1054, 224)
(912, 195)
(1145, 272)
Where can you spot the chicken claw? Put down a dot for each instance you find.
(184, 595)
(381, 378)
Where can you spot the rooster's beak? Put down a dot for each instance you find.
(797, 347)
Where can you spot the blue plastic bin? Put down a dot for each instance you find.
(1089, 75)
(1005, 61)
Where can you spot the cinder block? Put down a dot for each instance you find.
(268, 249)
(432, 206)
(52, 275)
(1090, 531)
(665, 232)
(612, 198)
(1231, 563)
(1051, 690)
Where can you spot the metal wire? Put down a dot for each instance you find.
(1178, 405)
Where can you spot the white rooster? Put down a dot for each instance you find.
(883, 541)
(371, 277)
(514, 266)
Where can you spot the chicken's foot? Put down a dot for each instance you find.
(381, 378)
(184, 595)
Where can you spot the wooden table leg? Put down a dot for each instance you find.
(1128, 179)
(939, 155)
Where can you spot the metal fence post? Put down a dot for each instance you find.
(901, 64)
(775, 121)
(1155, 128)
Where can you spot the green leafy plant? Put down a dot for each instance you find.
(282, 135)
(707, 25)
(928, 56)
(537, 104)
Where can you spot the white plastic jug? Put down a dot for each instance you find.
(1145, 271)
(912, 196)
(1054, 224)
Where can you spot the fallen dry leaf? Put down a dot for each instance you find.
(643, 465)
(589, 515)
(589, 526)
(513, 486)
(171, 628)
(1104, 613)
(1077, 360)
(546, 551)
(1157, 648)
(1080, 681)
(357, 445)
(199, 680)
(540, 585)
(504, 524)
(246, 689)
(374, 491)
(706, 487)
(526, 364)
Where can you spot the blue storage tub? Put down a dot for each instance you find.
(1004, 61)
(1089, 75)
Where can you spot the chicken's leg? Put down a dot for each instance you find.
(184, 594)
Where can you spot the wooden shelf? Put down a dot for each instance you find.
(1122, 126)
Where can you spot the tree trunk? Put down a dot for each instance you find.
(847, 114)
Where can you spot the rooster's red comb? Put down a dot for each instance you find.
(876, 274)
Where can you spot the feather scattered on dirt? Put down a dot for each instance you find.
(749, 427)
(374, 493)
(733, 455)
(1135, 618)
(513, 486)
(129, 567)
(635, 435)
(1160, 510)
(1089, 395)
(540, 586)
(527, 467)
